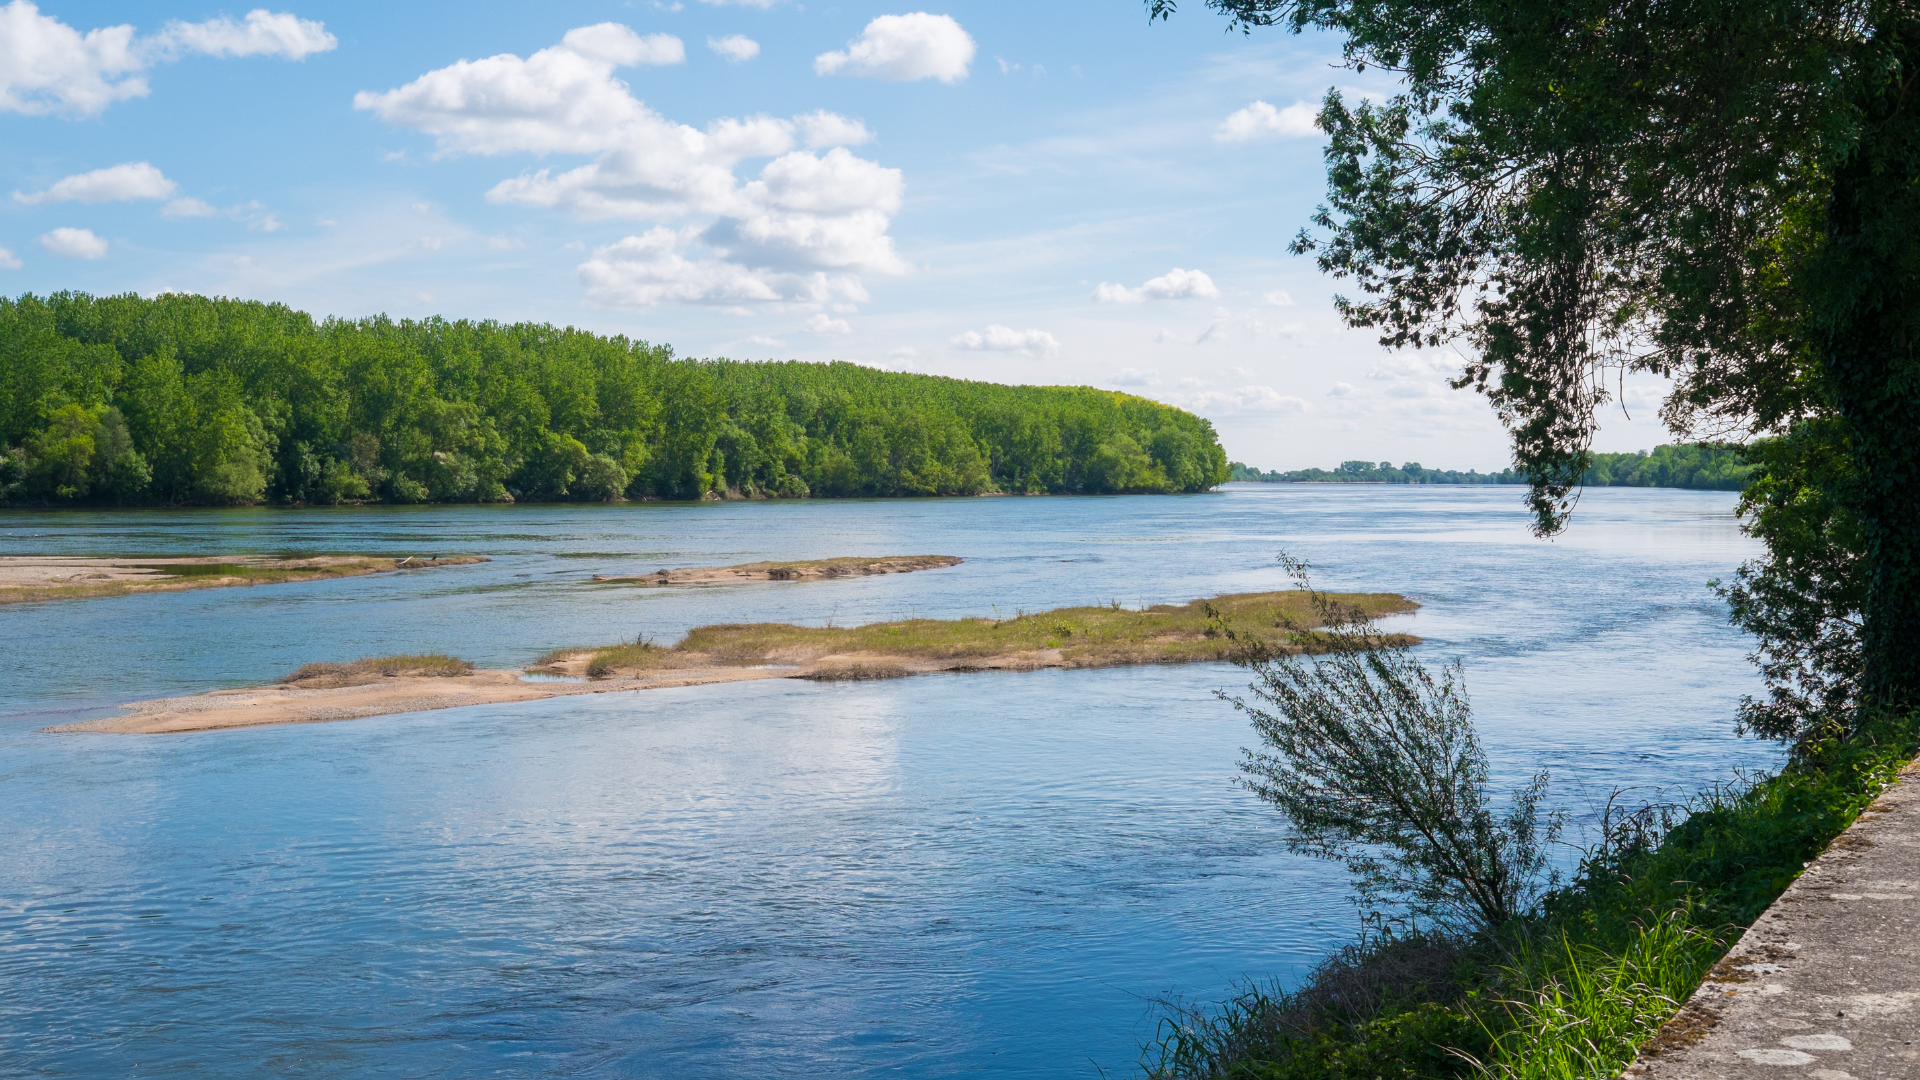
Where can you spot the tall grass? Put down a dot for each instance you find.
(1575, 987)
(369, 668)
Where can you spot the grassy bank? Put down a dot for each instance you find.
(374, 668)
(1574, 988)
(32, 579)
(1106, 636)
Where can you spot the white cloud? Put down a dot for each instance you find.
(1340, 389)
(823, 128)
(997, 338)
(264, 33)
(49, 68)
(116, 183)
(640, 271)
(903, 353)
(9, 261)
(774, 236)
(75, 244)
(737, 48)
(1245, 399)
(1278, 298)
(1134, 377)
(504, 243)
(1175, 284)
(904, 48)
(1262, 121)
(187, 207)
(823, 324)
(766, 342)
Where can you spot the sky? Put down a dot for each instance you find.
(1057, 193)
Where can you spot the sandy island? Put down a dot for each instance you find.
(1082, 637)
(814, 570)
(26, 578)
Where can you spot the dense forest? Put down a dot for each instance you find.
(186, 400)
(1702, 466)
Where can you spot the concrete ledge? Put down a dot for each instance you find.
(1826, 983)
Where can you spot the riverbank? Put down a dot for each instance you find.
(32, 578)
(1592, 979)
(1079, 637)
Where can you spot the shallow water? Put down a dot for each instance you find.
(928, 877)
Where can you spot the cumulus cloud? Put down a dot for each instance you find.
(50, 68)
(1262, 121)
(1245, 399)
(263, 33)
(735, 47)
(9, 261)
(772, 238)
(997, 338)
(652, 268)
(823, 324)
(187, 207)
(904, 48)
(823, 128)
(766, 342)
(116, 183)
(75, 244)
(1175, 284)
(1134, 377)
(1278, 298)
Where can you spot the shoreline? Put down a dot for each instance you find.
(27, 579)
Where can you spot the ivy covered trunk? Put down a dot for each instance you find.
(1867, 300)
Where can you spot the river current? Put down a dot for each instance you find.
(991, 874)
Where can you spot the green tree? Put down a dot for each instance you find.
(1720, 191)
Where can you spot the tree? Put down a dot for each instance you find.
(1721, 191)
(1375, 762)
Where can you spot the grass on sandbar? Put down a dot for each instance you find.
(367, 669)
(1081, 636)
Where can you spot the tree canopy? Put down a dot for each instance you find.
(1723, 192)
(190, 400)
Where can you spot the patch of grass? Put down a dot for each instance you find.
(639, 656)
(371, 668)
(1081, 636)
(1574, 988)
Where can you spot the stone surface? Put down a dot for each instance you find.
(1826, 983)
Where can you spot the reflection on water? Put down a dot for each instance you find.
(923, 877)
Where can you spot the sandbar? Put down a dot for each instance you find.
(812, 570)
(1067, 638)
(30, 578)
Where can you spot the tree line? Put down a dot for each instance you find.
(1701, 466)
(189, 400)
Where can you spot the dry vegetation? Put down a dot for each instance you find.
(374, 668)
(1068, 637)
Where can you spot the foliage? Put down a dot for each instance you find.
(1708, 466)
(1570, 989)
(1375, 763)
(190, 400)
(1723, 192)
(1367, 472)
(1804, 600)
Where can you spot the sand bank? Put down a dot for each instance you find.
(1083, 637)
(817, 569)
(25, 578)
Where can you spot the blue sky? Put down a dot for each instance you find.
(1036, 193)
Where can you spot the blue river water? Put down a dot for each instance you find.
(993, 874)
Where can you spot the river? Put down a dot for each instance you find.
(950, 875)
